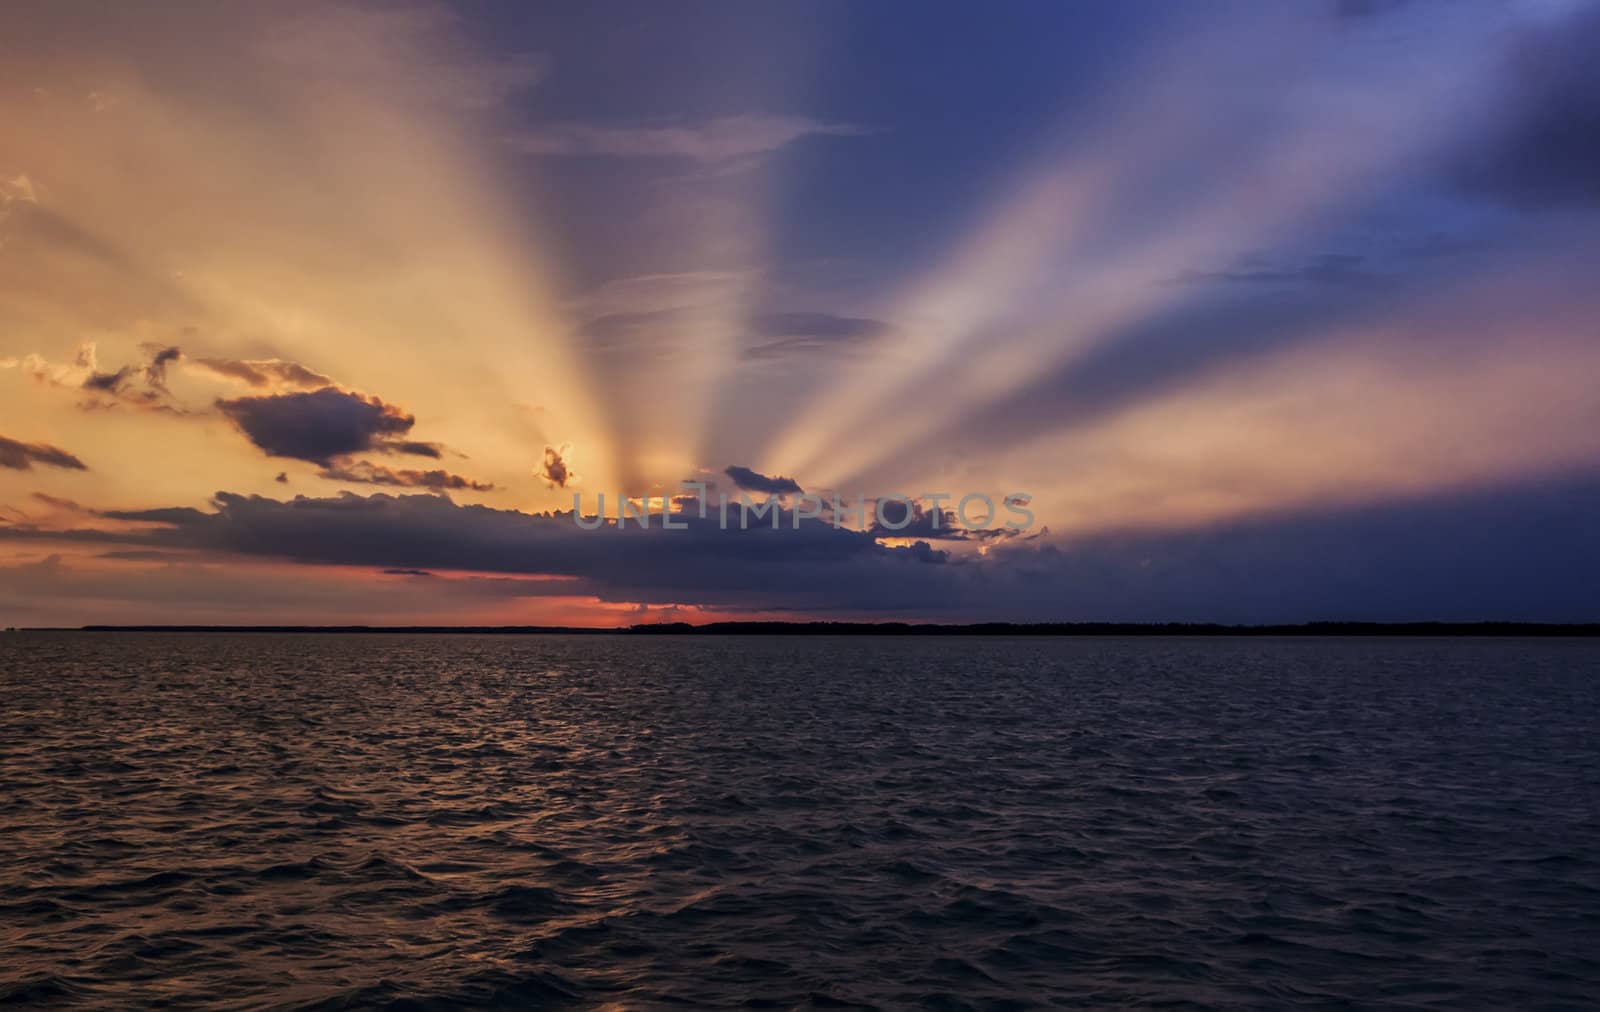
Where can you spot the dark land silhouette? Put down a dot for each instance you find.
(1587, 629)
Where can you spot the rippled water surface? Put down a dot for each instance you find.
(265, 820)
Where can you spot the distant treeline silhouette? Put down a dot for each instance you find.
(915, 629)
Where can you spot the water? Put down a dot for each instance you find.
(445, 821)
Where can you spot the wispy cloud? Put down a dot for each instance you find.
(1323, 269)
(654, 292)
(18, 456)
(141, 386)
(367, 473)
(262, 372)
(718, 140)
(790, 334)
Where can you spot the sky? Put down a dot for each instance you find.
(349, 313)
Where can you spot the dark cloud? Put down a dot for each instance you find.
(1546, 149)
(177, 515)
(810, 333)
(890, 520)
(700, 563)
(155, 370)
(406, 572)
(1424, 559)
(141, 386)
(18, 456)
(368, 473)
(415, 448)
(266, 372)
(109, 382)
(924, 552)
(755, 481)
(322, 425)
(553, 469)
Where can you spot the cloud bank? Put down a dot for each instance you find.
(1391, 562)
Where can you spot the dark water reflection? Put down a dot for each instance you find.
(364, 820)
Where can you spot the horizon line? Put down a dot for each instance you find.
(1493, 627)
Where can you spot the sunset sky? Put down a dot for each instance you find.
(322, 313)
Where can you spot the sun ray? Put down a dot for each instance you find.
(1302, 172)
